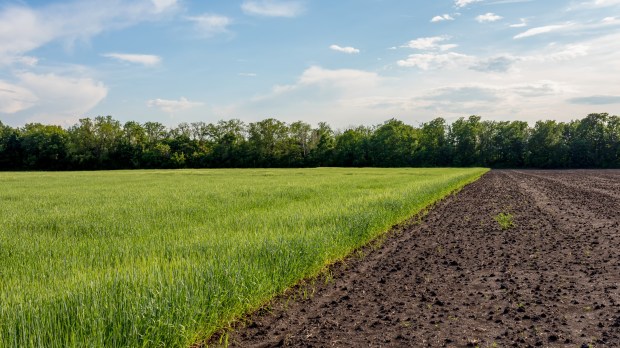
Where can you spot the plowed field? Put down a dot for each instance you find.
(459, 279)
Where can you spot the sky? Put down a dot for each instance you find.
(344, 62)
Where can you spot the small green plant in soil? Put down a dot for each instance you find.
(505, 220)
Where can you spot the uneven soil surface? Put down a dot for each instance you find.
(457, 279)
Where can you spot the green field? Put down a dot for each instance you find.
(164, 258)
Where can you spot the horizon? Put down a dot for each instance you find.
(348, 63)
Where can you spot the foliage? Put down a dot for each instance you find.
(505, 220)
(103, 143)
(164, 258)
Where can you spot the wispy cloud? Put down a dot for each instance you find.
(444, 17)
(488, 17)
(463, 3)
(521, 24)
(273, 8)
(348, 49)
(603, 3)
(24, 29)
(144, 59)
(173, 106)
(596, 100)
(51, 95)
(164, 5)
(14, 98)
(430, 61)
(494, 64)
(541, 30)
(208, 25)
(430, 43)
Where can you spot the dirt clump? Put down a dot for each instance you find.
(459, 278)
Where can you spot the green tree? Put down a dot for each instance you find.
(510, 141)
(44, 147)
(546, 146)
(612, 137)
(82, 145)
(322, 154)
(108, 135)
(267, 142)
(131, 145)
(434, 149)
(588, 141)
(465, 138)
(393, 144)
(10, 148)
(229, 144)
(352, 147)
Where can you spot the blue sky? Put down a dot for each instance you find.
(346, 62)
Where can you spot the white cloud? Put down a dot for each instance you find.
(64, 95)
(494, 64)
(555, 53)
(430, 43)
(444, 17)
(247, 74)
(536, 89)
(273, 8)
(144, 59)
(209, 24)
(541, 30)
(604, 3)
(321, 78)
(521, 24)
(164, 5)
(349, 50)
(23, 29)
(610, 20)
(316, 75)
(429, 61)
(52, 96)
(488, 17)
(173, 106)
(14, 98)
(596, 100)
(463, 3)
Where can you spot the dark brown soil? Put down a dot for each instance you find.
(458, 280)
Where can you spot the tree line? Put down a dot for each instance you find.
(105, 143)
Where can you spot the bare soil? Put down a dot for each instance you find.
(457, 279)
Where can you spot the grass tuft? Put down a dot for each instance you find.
(505, 220)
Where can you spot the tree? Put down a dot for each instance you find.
(433, 149)
(612, 138)
(229, 144)
(300, 143)
(510, 139)
(267, 142)
(44, 147)
(588, 143)
(546, 146)
(82, 145)
(10, 148)
(108, 134)
(352, 148)
(465, 139)
(131, 145)
(393, 144)
(322, 154)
